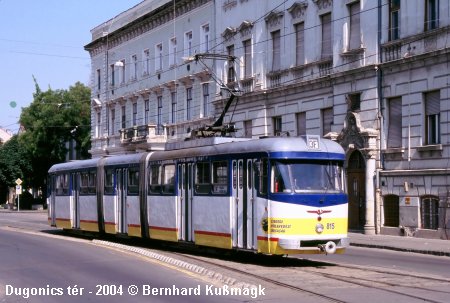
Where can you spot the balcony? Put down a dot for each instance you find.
(423, 43)
(143, 134)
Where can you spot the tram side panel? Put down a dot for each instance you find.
(162, 207)
(87, 201)
(62, 201)
(212, 203)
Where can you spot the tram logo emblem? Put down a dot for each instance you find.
(319, 211)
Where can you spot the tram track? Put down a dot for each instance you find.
(358, 281)
(265, 279)
(370, 283)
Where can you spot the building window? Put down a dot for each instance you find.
(204, 43)
(300, 44)
(174, 107)
(159, 123)
(355, 28)
(354, 102)
(146, 63)
(188, 51)
(394, 133)
(277, 126)
(432, 118)
(98, 132)
(123, 117)
(113, 121)
(247, 58)
(205, 87)
(134, 114)
(122, 71)
(159, 57)
(431, 14)
(301, 123)
(134, 67)
(231, 75)
(248, 125)
(112, 81)
(189, 103)
(327, 120)
(276, 50)
(173, 52)
(327, 51)
(99, 79)
(429, 212)
(146, 111)
(394, 19)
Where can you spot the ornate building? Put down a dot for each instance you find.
(372, 75)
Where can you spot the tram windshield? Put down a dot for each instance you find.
(300, 176)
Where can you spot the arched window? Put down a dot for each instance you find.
(429, 212)
(391, 211)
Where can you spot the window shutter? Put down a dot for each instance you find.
(327, 116)
(326, 36)
(301, 124)
(300, 42)
(355, 30)
(276, 50)
(432, 103)
(395, 123)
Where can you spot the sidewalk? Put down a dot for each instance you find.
(408, 244)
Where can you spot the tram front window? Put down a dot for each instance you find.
(300, 176)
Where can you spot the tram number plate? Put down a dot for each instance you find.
(330, 225)
(313, 142)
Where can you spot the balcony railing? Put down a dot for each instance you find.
(143, 133)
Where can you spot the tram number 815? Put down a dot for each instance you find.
(330, 225)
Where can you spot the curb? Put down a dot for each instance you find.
(207, 273)
(412, 250)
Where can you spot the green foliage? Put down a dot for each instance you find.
(52, 119)
(14, 162)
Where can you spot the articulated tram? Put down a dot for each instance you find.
(280, 195)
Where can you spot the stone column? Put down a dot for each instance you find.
(369, 226)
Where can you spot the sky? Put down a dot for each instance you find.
(46, 39)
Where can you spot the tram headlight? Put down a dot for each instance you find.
(319, 228)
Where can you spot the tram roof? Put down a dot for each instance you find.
(269, 145)
(72, 165)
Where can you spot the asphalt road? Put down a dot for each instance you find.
(36, 268)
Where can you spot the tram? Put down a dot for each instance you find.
(280, 195)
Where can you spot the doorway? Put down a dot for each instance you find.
(356, 172)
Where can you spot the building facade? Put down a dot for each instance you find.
(372, 75)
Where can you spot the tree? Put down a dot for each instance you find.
(54, 118)
(14, 164)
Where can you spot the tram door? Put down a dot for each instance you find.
(51, 192)
(243, 210)
(121, 200)
(75, 201)
(184, 201)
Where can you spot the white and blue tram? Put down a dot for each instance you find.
(272, 195)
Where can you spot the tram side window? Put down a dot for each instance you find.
(154, 180)
(168, 179)
(88, 183)
(261, 168)
(62, 185)
(220, 177)
(133, 181)
(109, 182)
(203, 178)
